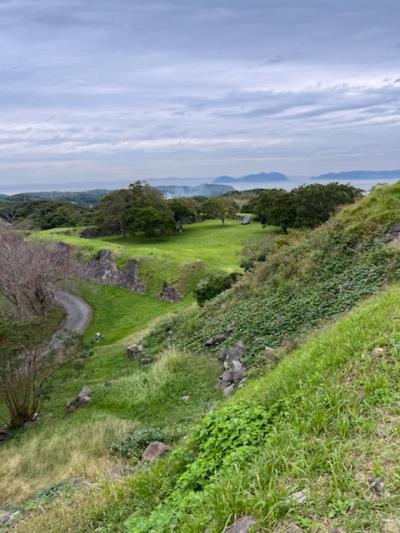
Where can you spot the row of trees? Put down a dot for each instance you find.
(143, 209)
(307, 206)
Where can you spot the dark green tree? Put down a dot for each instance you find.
(219, 208)
(275, 207)
(152, 221)
(184, 210)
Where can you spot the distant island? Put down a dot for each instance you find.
(359, 175)
(262, 177)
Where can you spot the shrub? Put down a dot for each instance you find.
(132, 444)
(212, 286)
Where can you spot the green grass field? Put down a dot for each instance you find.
(217, 245)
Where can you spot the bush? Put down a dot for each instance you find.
(212, 286)
(132, 444)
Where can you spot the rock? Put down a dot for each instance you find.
(378, 352)
(215, 340)
(393, 235)
(297, 498)
(241, 525)
(169, 293)
(82, 398)
(154, 451)
(227, 376)
(230, 328)
(146, 361)
(377, 485)
(129, 277)
(228, 391)
(186, 398)
(118, 471)
(104, 270)
(235, 353)
(293, 528)
(134, 350)
(7, 518)
(238, 371)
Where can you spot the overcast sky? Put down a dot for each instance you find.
(111, 90)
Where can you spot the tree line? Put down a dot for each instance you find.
(307, 206)
(142, 209)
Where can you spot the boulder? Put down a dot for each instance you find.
(297, 498)
(234, 353)
(82, 399)
(215, 340)
(169, 293)
(134, 351)
(228, 391)
(241, 525)
(146, 361)
(155, 450)
(377, 485)
(238, 371)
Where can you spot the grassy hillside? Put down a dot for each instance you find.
(319, 421)
(306, 278)
(323, 423)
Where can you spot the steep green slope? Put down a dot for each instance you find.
(305, 279)
(323, 423)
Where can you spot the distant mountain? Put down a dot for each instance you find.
(206, 189)
(262, 177)
(87, 198)
(359, 175)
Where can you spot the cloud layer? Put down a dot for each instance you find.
(120, 89)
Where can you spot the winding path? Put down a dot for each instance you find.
(79, 313)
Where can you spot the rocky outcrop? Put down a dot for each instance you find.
(169, 293)
(82, 399)
(129, 277)
(134, 351)
(103, 270)
(234, 373)
(154, 451)
(241, 525)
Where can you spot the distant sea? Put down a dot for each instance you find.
(291, 183)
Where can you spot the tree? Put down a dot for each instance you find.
(113, 212)
(275, 207)
(184, 210)
(315, 203)
(28, 273)
(25, 370)
(152, 221)
(220, 208)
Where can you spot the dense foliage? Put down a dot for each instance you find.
(209, 287)
(307, 206)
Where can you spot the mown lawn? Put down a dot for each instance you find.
(216, 244)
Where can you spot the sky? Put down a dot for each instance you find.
(107, 91)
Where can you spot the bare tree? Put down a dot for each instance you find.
(25, 373)
(28, 272)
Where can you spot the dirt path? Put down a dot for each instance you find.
(79, 313)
